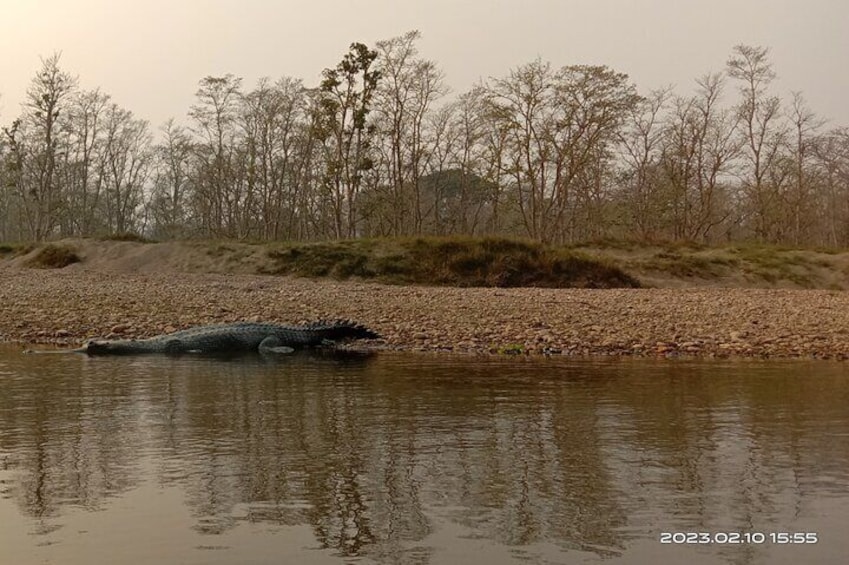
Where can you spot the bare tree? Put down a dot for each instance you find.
(409, 87)
(455, 175)
(80, 179)
(640, 142)
(217, 189)
(521, 104)
(124, 168)
(592, 103)
(272, 116)
(832, 159)
(6, 206)
(698, 149)
(762, 134)
(35, 141)
(562, 127)
(170, 200)
(558, 155)
(801, 194)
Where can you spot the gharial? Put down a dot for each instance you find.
(238, 337)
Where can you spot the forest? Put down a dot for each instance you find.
(381, 147)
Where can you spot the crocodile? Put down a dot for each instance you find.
(238, 337)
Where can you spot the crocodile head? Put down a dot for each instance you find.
(124, 347)
(97, 347)
(94, 347)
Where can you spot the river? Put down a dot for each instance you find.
(404, 458)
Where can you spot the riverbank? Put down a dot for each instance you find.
(69, 306)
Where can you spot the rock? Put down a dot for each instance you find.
(695, 321)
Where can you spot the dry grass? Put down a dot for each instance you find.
(53, 256)
(455, 261)
(737, 265)
(460, 261)
(9, 249)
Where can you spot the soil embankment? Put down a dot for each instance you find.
(131, 290)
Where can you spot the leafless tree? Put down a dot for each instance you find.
(169, 205)
(561, 128)
(831, 157)
(592, 103)
(558, 155)
(801, 197)
(408, 88)
(272, 116)
(762, 133)
(217, 190)
(35, 141)
(124, 168)
(698, 150)
(82, 184)
(522, 104)
(456, 179)
(641, 147)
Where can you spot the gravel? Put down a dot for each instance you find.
(69, 307)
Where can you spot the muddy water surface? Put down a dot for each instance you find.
(421, 459)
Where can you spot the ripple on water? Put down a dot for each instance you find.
(424, 458)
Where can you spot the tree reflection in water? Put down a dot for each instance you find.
(377, 455)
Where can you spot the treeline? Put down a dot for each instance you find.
(379, 148)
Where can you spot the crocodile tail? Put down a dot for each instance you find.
(337, 330)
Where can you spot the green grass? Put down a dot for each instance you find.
(126, 236)
(773, 263)
(638, 245)
(454, 261)
(512, 349)
(689, 265)
(53, 256)
(15, 249)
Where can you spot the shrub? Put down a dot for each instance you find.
(452, 261)
(52, 256)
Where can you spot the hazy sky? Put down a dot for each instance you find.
(149, 55)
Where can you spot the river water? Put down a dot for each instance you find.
(396, 458)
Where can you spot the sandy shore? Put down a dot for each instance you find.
(70, 306)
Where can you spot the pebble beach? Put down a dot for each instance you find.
(67, 307)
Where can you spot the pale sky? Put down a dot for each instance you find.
(149, 55)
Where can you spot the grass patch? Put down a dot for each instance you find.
(15, 249)
(631, 245)
(771, 264)
(775, 263)
(513, 349)
(229, 252)
(681, 265)
(126, 236)
(455, 261)
(828, 250)
(53, 256)
(684, 245)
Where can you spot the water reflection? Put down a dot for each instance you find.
(384, 457)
